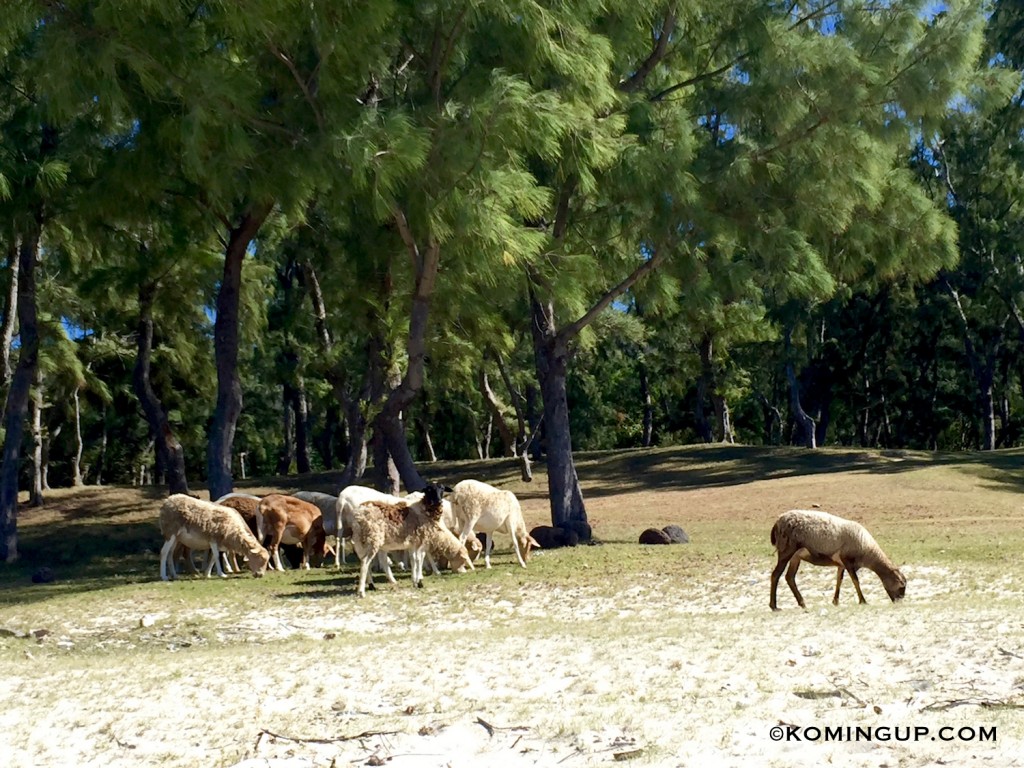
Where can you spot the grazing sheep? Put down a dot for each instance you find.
(552, 537)
(481, 506)
(444, 546)
(823, 539)
(288, 520)
(328, 505)
(245, 504)
(379, 526)
(203, 525)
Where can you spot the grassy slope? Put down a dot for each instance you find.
(934, 508)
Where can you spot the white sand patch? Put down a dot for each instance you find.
(675, 674)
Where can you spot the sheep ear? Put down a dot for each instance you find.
(447, 489)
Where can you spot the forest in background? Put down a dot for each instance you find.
(274, 236)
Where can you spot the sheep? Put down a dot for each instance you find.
(245, 504)
(823, 539)
(380, 526)
(328, 505)
(203, 525)
(352, 496)
(291, 521)
(554, 537)
(444, 545)
(478, 505)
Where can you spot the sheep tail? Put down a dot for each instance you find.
(775, 536)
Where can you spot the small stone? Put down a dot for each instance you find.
(654, 536)
(44, 575)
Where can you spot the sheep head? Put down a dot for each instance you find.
(258, 558)
(895, 584)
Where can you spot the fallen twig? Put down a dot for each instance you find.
(951, 703)
(313, 740)
(492, 728)
(628, 755)
(1009, 653)
(487, 726)
(846, 691)
(578, 751)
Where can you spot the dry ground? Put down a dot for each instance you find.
(663, 656)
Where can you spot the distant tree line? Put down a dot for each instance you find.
(287, 237)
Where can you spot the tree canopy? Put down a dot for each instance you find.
(291, 236)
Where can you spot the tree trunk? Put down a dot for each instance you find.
(388, 421)
(166, 445)
(36, 497)
(647, 435)
(551, 355)
(497, 418)
(76, 460)
(427, 442)
(287, 453)
(525, 429)
(301, 407)
(986, 391)
(103, 447)
(772, 416)
(225, 344)
(18, 395)
(705, 387)
(723, 423)
(803, 420)
(10, 319)
(48, 438)
(324, 440)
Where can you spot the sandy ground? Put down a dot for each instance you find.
(528, 674)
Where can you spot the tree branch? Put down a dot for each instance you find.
(636, 82)
(570, 331)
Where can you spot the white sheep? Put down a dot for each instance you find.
(328, 506)
(204, 525)
(482, 507)
(246, 505)
(823, 539)
(379, 526)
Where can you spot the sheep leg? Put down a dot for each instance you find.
(365, 575)
(488, 543)
(215, 560)
(166, 553)
(839, 583)
(515, 546)
(794, 566)
(434, 570)
(416, 557)
(385, 566)
(853, 577)
(784, 558)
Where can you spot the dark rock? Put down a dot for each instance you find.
(581, 528)
(676, 534)
(44, 576)
(654, 536)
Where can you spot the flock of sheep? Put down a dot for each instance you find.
(422, 526)
(426, 526)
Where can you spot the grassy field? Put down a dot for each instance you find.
(663, 655)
